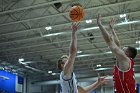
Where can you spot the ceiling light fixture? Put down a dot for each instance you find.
(79, 51)
(48, 28)
(99, 65)
(20, 59)
(122, 15)
(88, 21)
(49, 72)
(54, 34)
(53, 73)
(85, 29)
(84, 55)
(99, 69)
(109, 52)
(130, 22)
(137, 42)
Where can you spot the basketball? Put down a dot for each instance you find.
(76, 13)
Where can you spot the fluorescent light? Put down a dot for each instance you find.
(20, 59)
(84, 55)
(22, 63)
(90, 28)
(103, 69)
(48, 28)
(137, 42)
(122, 15)
(27, 62)
(79, 51)
(109, 52)
(99, 65)
(54, 34)
(49, 71)
(88, 21)
(34, 69)
(130, 22)
(53, 73)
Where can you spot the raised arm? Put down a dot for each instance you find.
(115, 37)
(122, 60)
(68, 67)
(107, 37)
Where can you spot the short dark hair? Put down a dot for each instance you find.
(60, 61)
(132, 51)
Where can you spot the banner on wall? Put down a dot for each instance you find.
(7, 82)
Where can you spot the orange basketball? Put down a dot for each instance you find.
(76, 13)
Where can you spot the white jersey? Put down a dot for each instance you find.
(69, 85)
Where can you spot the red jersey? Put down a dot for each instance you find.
(124, 81)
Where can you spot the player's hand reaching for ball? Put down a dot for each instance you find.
(111, 23)
(74, 27)
(99, 19)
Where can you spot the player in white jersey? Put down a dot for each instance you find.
(68, 85)
(68, 80)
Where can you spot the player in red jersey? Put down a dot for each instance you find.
(124, 81)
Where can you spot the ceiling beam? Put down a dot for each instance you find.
(16, 41)
(65, 13)
(59, 25)
(33, 6)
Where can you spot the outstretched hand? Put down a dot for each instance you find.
(99, 19)
(111, 23)
(102, 80)
(74, 27)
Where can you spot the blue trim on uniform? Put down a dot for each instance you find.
(67, 79)
(72, 87)
(69, 85)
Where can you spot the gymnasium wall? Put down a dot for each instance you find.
(32, 88)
